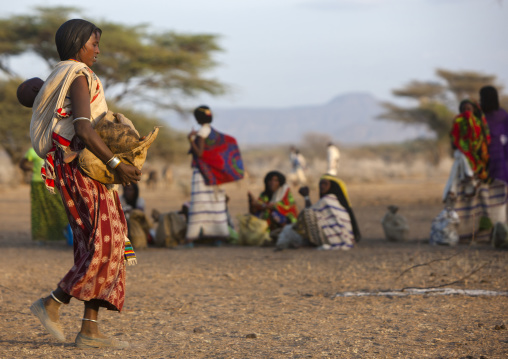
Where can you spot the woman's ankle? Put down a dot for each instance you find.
(51, 303)
(89, 330)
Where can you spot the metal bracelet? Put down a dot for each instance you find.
(80, 119)
(56, 299)
(113, 162)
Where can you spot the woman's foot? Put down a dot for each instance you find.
(83, 341)
(91, 337)
(52, 308)
(47, 312)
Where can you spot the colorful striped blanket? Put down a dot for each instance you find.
(221, 161)
(284, 210)
(479, 213)
(334, 222)
(471, 136)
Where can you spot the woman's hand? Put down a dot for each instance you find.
(196, 148)
(192, 135)
(253, 202)
(128, 174)
(257, 205)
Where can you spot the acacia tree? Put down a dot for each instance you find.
(436, 103)
(14, 121)
(135, 65)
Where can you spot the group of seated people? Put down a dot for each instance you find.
(167, 229)
(327, 224)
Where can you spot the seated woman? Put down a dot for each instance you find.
(328, 224)
(171, 227)
(137, 222)
(275, 204)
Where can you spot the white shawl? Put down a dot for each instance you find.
(334, 221)
(52, 110)
(279, 194)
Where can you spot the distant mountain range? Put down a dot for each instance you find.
(347, 119)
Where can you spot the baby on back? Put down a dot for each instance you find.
(28, 90)
(116, 130)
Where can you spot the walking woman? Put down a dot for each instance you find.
(65, 111)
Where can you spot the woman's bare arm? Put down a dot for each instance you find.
(80, 99)
(198, 148)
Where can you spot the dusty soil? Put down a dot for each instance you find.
(208, 302)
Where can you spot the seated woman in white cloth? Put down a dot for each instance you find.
(328, 224)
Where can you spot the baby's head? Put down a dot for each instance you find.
(28, 90)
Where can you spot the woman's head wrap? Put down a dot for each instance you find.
(268, 177)
(72, 36)
(337, 187)
(477, 112)
(489, 99)
(203, 114)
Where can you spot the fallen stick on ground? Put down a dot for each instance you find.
(3, 286)
(427, 263)
(449, 283)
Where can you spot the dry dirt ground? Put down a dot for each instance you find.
(240, 302)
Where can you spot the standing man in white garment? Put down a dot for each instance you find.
(333, 156)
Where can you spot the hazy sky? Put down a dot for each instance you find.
(281, 53)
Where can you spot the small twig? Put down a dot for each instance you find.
(3, 286)
(450, 283)
(426, 263)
